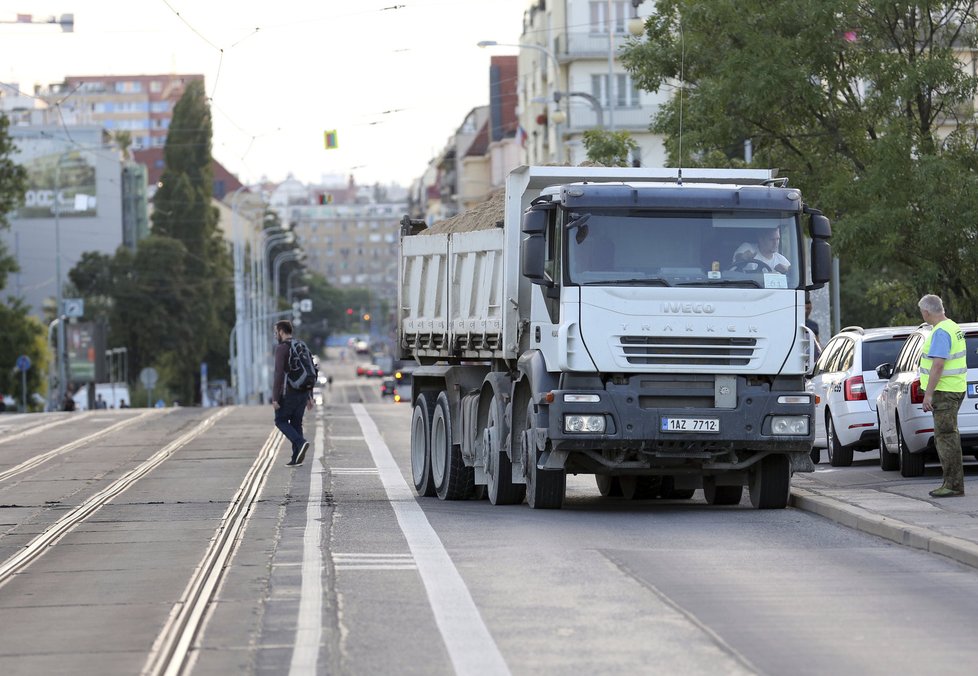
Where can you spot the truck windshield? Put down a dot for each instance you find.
(754, 249)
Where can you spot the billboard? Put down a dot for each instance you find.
(59, 177)
(86, 346)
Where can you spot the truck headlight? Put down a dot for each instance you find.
(592, 424)
(789, 424)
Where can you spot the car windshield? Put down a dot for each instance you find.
(876, 352)
(753, 249)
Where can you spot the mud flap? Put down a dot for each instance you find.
(801, 462)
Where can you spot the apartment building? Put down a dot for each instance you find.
(570, 80)
(140, 104)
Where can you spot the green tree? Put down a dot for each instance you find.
(202, 279)
(609, 148)
(863, 103)
(13, 185)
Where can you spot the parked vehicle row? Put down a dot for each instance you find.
(868, 395)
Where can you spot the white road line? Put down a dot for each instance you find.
(309, 627)
(467, 639)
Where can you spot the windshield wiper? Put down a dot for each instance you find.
(721, 282)
(636, 281)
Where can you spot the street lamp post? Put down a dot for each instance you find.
(293, 255)
(554, 85)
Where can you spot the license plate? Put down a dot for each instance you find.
(690, 425)
(973, 389)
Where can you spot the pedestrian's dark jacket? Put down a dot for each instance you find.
(281, 363)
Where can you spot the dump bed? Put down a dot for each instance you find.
(460, 293)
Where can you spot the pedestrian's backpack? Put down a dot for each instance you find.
(302, 372)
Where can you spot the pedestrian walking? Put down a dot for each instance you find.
(289, 403)
(944, 376)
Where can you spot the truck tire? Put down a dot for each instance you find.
(888, 461)
(638, 487)
(839, 455)
(911, 464)
(770, 482)
(545, 488)
(451, 478)
(608, 486)
(499, 468)
(421, 447)
(721, 495)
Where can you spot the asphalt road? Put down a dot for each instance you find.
(121, 510)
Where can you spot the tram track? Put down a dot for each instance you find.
(41, 544)
(172, 652)
(6, 439)
(38, 460)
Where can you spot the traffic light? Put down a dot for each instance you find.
(325, 198)
(349, 311)
(366, 317)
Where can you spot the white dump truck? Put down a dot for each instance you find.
(646, 326)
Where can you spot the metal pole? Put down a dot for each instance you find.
(611, 73)
(62, 378)
(836, 303)
(23, 385)
(239, 300)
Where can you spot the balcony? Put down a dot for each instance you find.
(583, 45)
(581, 117)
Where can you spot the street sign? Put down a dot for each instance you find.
(148, 377)
(74, 307)
(23, 362)
(305, 305)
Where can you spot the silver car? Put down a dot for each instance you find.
(906, 431)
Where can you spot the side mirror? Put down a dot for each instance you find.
(821, 261)
(819, 227)
(535, 221)
(533, 254)
(884, 371)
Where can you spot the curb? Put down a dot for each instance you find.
(900, 532)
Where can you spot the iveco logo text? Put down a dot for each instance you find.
(688, 308)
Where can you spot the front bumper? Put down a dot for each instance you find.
(634, 409)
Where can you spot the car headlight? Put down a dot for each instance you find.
(789, 424)
(590, 424)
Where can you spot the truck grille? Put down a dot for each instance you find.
(688, 351)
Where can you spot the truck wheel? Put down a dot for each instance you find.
(421, 447)
(451, 478)
(721, 495)
(839, 455)
(770, 482)
(888, 461)
(499, 469)
(911, 464)
(608, 486)
(668, 490)
(638, 487)
(544, 487)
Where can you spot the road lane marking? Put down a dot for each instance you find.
(467, 639)
(309, 627)
(354, 470)
(375, 561)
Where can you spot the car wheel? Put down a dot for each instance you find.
(839, 455)
(888, 461)
(911, 464)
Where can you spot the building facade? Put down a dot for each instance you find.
(140, 104)
(74, 204)
(570, 80)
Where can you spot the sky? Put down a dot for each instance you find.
(394, 78)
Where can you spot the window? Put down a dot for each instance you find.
(599, 16)
(626, 92)
(876, 352)
(828, 356)
(909, 355)
(156, 86)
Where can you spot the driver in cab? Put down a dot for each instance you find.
(764, 255)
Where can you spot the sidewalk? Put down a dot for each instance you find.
(904, 513)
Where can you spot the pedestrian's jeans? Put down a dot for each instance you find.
(947, 438)
(288, 418)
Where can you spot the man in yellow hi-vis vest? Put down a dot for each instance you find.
(944, 377)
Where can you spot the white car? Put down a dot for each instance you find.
(906, 431)
(845, 385)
